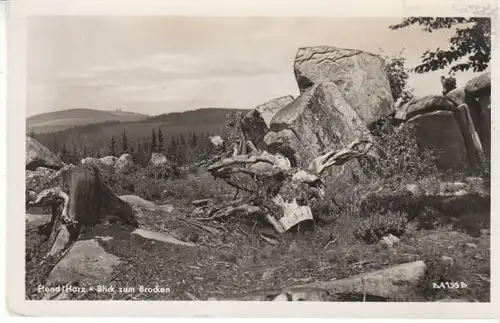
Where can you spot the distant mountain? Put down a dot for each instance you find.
(60, 120)
(98, 135)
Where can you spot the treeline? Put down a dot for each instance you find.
(180, 149)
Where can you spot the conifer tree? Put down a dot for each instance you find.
(125, 148)
(154, 146)
(160, 139)
(112, 146)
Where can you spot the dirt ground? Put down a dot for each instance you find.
(237, 261)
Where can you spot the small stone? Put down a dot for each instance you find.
(471, 245)
(168, 208)
(268, 274)
(202, 202)
(485, 232)
(447, 262)
(389, 241)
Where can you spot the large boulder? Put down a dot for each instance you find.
(255, 124)
(440, 133)
(320, 118)
(108, 160)
(37, 155)
(124, 164)
(360, 76)
(85, 264)
(461, 143)
(457, 96)
(473, 146)
(477, 95)
(158, 159)
(479, 85)
(479, 88)
(424, 104)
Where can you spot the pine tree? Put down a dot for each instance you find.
(63, 154)
(194, 140)
(112, 146)
(75, 155)
(125, 148)
(160, 140)
(55, 145)
(32, 134)
(153, 142)
(85, 151)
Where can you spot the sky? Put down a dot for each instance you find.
(156, 65)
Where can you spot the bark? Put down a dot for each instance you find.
(88, 203)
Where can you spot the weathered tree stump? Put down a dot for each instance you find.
(88, 203)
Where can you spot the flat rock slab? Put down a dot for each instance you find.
(86, 263)
(166, 208)
(36, 220)
(139, 201)
(163, 237)
(393, 282)
(202, 202)
(396, 282)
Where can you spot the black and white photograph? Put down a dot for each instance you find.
(258, 158)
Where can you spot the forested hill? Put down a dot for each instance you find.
(96, 138)
(61, 120)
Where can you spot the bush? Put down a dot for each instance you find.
(398, 78)
(400, 157)
(376, 206)
(373, 227)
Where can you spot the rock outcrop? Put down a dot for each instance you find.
(426, 104)
(440, 133)
(124, 164)
(37, 155)
(480, 85)
(320, 118)
(255, 124)
(445, 125)
(360, 77)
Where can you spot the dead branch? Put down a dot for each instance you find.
(356, 149)
(271, 183)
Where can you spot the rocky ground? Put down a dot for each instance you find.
(235, 262)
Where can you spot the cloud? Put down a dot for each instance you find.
(226, 79)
